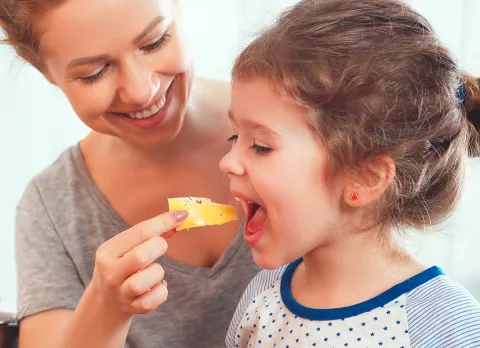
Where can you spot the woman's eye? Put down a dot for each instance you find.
(155, 45)
(88, 80)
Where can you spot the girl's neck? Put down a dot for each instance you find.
(351, 271)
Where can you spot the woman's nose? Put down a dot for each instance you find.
(139, 85)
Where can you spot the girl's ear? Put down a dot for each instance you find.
(369, 181)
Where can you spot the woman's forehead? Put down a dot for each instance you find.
(79, 28)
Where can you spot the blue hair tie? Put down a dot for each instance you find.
(461, 95)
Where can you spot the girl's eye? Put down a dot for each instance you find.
(260, 150)
(233, 138)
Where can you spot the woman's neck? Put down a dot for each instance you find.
(351, 271)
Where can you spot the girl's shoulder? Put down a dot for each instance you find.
(442, 313)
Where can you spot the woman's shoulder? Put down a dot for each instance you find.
(53, 182)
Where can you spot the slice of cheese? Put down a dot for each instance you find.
(202, 212)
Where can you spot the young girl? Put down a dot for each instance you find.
(351, 126)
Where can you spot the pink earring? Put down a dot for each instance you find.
(353, 196)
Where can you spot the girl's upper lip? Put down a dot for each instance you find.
(240, 195)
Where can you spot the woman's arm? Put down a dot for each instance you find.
(55, 311)
(92, 324)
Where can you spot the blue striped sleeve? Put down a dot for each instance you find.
(441, 314)
(259, 283)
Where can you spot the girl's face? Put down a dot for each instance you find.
(277, 168)
(122, 64)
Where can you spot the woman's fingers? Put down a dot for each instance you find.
(151, 299)
(143, 281)
(128, 239)
(141, 257)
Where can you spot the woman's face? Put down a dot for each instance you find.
(123, 65)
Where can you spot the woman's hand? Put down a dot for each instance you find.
(126, 275)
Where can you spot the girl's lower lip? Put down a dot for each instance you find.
(252, 239)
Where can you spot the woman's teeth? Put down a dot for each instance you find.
(147, 113)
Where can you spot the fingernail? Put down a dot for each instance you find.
(164, 282)
(180, 215)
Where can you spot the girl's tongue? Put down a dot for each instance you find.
(257, 221)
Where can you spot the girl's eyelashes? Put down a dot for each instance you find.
(233, 138)
(260, 150)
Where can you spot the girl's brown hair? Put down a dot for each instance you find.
(377, 81)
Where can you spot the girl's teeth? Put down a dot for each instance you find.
(138, 115)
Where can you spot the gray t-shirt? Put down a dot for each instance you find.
(63, 218)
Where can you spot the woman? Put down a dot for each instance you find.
(157, 132)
